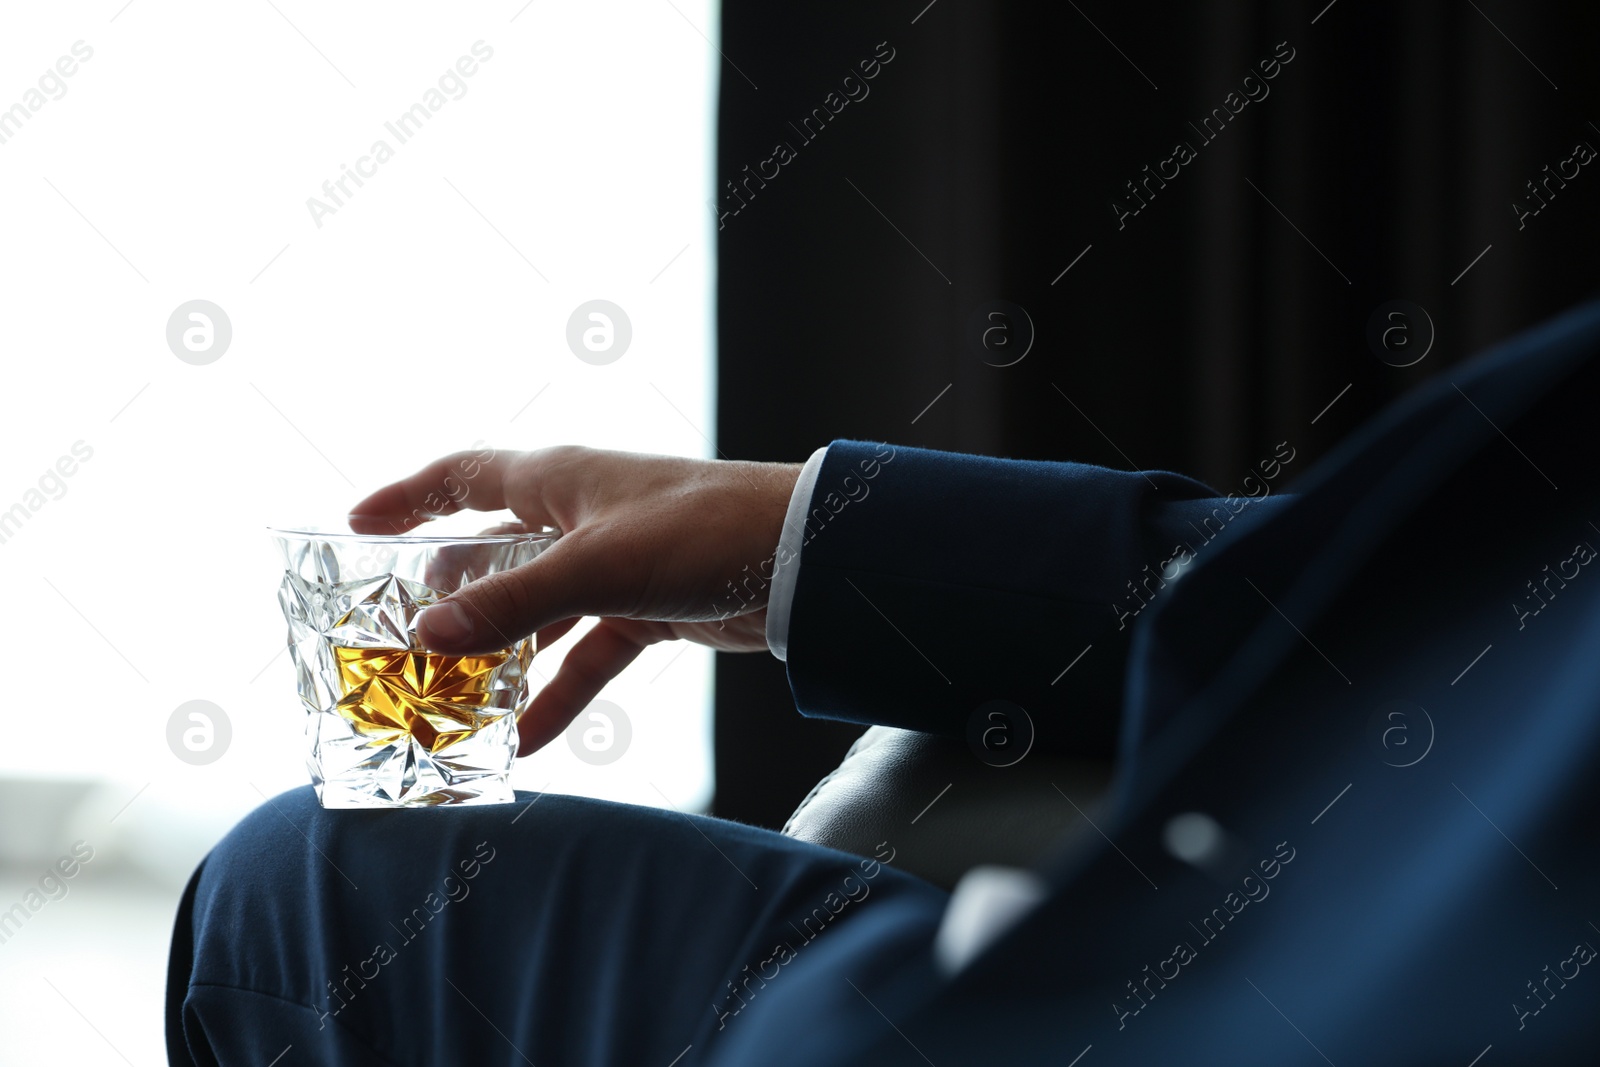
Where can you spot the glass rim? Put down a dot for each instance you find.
(312, 533)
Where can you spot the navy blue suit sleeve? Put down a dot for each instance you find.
(933, 582)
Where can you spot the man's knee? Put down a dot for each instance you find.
(278, 824)
(268, 849)
(257, 881)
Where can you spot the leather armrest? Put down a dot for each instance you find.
(942, 810)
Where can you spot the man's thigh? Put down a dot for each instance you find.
(556, 930)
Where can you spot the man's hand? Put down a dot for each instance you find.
(655, 546)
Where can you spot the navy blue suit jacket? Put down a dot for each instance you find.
(1383, 689)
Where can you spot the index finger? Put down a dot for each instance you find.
(470, 480)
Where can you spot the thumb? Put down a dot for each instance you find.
(496, 611)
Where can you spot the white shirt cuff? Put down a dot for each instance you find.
(786, 568)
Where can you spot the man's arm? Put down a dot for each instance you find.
(927, 582)
(931, 583)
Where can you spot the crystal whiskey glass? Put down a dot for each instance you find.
(388, 723)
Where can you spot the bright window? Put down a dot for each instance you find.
(398, 208)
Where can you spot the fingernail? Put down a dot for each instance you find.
(445, 622)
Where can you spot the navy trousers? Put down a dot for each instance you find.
(559, 930)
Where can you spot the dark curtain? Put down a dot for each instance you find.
(873, 276)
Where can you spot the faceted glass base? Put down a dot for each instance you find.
(353, 770)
